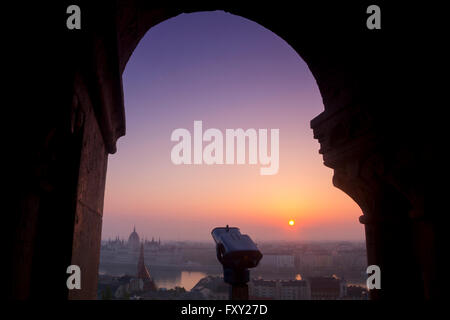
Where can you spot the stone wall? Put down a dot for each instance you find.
(368, 134)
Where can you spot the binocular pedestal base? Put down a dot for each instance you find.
(239, 292)
(238, 279)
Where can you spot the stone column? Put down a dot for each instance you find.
(87, 227)
(364, 167)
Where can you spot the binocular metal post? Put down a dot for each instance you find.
(238, 279)
(239, 292)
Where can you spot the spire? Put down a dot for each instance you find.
(134, 228)
(142, 272)
(142, 269)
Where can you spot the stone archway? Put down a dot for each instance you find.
(359, 134)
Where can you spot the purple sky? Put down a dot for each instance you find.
(228, 72)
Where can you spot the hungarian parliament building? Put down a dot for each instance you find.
(120, 257)
(133, 243)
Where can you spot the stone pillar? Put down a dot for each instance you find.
(45, 187)
(89, 199)
(389, 246)
(364, 168)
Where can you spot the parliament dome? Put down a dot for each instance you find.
(133, 240)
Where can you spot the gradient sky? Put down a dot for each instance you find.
(229, 72)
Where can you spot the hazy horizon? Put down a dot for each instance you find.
(258, 241)
(228, 72)
(123, 234)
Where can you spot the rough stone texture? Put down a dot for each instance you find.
(385, 179)
(90, 195)
(44, 191)
(368, 133)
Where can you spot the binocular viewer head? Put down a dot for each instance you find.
(235, 250)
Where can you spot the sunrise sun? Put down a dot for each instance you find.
(291, 222)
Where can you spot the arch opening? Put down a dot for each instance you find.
(275, 82)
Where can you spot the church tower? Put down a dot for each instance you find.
(143, 273)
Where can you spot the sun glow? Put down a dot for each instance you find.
(184, 202)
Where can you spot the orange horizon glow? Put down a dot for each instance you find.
(257, 82)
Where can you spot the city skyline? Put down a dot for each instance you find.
(228, 72)
(148, 237)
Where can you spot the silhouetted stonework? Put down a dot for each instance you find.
(368, 135)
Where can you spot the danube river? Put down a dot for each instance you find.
(164, 277)
(187, 280)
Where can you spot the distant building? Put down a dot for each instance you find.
(349, 257)
(152, 245)
(327, 288)
(315, 259)
(113, 244)
(132, 245)
(133, 240)
(294, 290)
(277, 261)
(259, 289)
(119, 256)
(279, 290)
(128, 287)
(356, 293)
(143, 273)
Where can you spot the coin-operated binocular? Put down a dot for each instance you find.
(237, 253)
